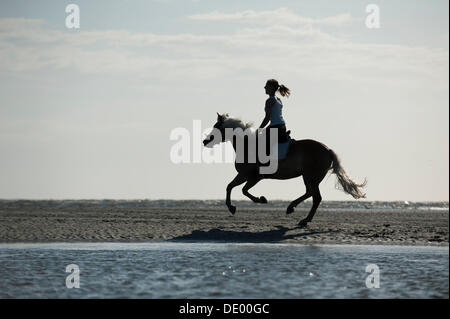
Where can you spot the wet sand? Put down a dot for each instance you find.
(382, 227)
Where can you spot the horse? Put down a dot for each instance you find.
(307, 158)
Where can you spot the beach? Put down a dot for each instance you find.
(37, 222)
(197, 249)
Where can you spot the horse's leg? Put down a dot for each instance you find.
(249, 185)
(294, 203)
(305, 196)
(238, 180)
(316, 202)
(312, 182)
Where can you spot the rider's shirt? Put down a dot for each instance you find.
(275, 112)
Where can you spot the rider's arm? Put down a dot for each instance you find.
(266, 120)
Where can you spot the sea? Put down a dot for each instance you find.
(219, 204)
(221, 270)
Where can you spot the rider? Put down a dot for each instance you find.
(273, 112)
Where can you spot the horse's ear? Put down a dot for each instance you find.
(219, 118)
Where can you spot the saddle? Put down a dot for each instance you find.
(287, 137)
(284, 142)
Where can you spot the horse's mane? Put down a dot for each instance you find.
(230, 122)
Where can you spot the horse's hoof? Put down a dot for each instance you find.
(303, 223)
(263, 200)
(289, 210)
(232, 209)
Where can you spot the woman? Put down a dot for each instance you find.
(273, 112)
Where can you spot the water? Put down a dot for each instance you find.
(211, 204)
(217, 270)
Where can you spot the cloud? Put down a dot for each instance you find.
(301, 50)
(281, 16)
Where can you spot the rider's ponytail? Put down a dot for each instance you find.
(284, 91)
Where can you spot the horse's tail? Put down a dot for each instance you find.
(348, 186)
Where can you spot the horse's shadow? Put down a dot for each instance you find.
(219, 235)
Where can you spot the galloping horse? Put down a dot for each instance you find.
(307, 158)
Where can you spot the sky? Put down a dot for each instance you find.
(87, 113)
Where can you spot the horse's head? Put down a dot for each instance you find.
(217, 134)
